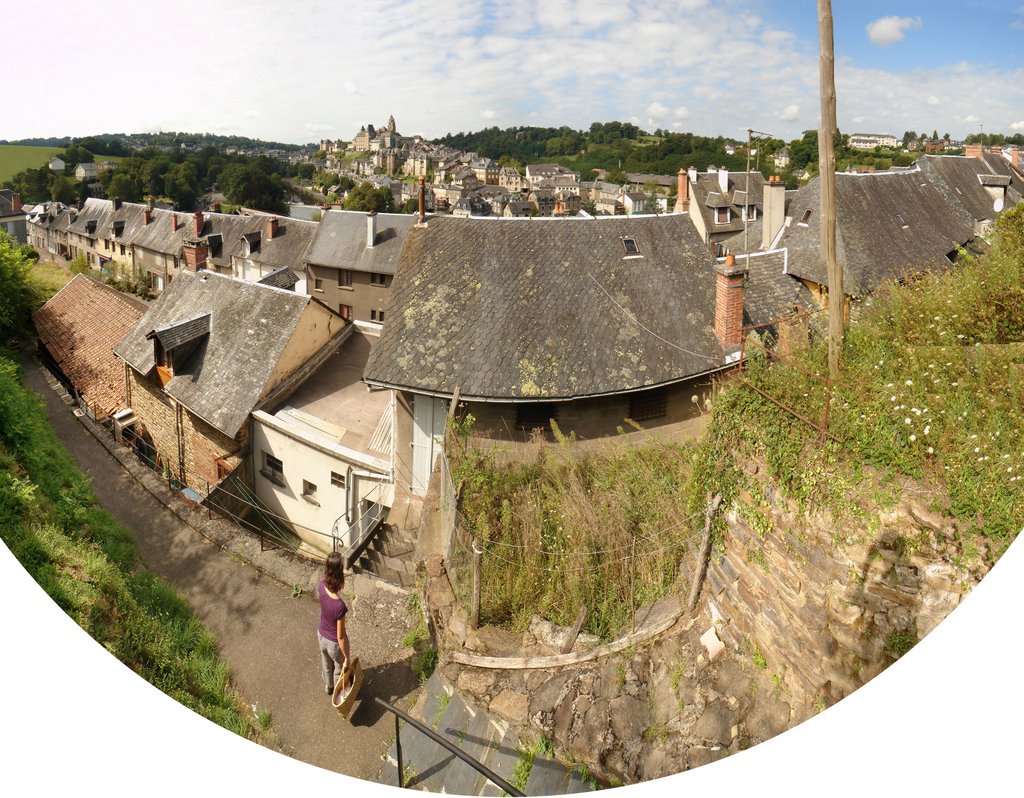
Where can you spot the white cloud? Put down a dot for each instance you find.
(488, 114)
(858, 119)
(933, 100)
(790, 113)
(1017, 125)
(682, 112)
(657, 111)
(889, 30)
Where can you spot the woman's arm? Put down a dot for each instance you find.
(343, 641)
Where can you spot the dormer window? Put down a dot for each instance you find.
(90, 226)
(250, 244)
(117, 228)
(722, 215)
(806, 217)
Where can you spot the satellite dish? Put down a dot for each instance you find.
(997, 206)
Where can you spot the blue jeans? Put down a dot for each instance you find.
(330, 660)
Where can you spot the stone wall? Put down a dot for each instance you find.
(826, 606)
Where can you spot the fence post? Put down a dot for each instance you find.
(705, 552)
(474, 615)
(209, 510)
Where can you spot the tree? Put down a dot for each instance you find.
(125, 186)
(63, 190)
(16, 292)
(411, 205)
(365, 197)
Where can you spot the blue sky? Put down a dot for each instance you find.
(313, 69)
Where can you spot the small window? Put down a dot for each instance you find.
(345, 311)
(377, 315)
(318, 284)
(378, 279)
(648, 405)
(337, 480)
(156, 282)
(721, 215)
(535, 415)
(223, 469)
(630, 246)
(807, 216)
(344, 278)
(273, 469)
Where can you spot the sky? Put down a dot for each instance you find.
(306, 70)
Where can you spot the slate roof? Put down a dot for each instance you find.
(340, 241)
(769, 292)
(530, 309)
(79, 327)
(280, 278)
(890, 225)
(185, 331)
(956, 177)
(250, 326)
(997, 164)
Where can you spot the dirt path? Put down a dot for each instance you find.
(267, 637)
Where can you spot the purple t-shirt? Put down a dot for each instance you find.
(332, 610)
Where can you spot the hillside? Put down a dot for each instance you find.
(16, 158)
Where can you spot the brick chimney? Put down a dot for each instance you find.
(371, 229)
(729, 280)
(774, 209)
(422, 200)
(199, 223)
(117, 203)
(147, 215)
(196, 252)
(16, 198)
(174, 221)
(1015, 156)
(682, 192)
(271, 228)
(974, 150)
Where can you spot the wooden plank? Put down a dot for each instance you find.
(562, 660)
(575, 633)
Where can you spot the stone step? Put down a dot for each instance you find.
(502, 759)
(475, 740)
(547, 777)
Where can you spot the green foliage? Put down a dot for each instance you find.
(899, 641)
(365, 197)
(16, 292)
(87, 564)
(18, 158)
(254, 184)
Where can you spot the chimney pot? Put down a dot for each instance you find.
(422, 199)
(147, 215)
(199, 223)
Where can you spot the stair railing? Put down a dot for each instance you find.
(480, 768)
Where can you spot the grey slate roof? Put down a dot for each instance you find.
(280, 278)
(770, 292)
(873, 244)
(184, 331)
(743, 189)
(250, 326)
(956, 178)
(516, 309)
(340, 241)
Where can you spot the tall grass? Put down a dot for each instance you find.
(564, 530)
(87, 564)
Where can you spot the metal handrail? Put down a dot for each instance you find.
(483, 770)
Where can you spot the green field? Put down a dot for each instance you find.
(15, 158)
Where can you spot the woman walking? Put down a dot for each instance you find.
(331, 634)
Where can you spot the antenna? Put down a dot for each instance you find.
(751, 136)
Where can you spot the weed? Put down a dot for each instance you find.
(620, 675)
(899, 641)
(296, 591)
(656, 731)
(424, 662)
(263, 719)
(442, 705)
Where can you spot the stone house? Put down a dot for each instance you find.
(85, 171)
(722, 203)
(47, 228)
(351, 260)
(584, 322)
(57, 165)
(509, 178)
(13, 216)
(206, 354)
(78, 329)
(535, 172)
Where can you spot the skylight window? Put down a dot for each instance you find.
(630, 246)
(807, 216)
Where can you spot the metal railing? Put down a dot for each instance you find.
(479, 767)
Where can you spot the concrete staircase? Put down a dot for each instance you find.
(390, 556)
(429, 767)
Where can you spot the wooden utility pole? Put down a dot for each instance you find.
(827, 169)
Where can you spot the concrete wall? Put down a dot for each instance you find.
(315, 328)
(363, 297)
(313, 460)
(592, 418)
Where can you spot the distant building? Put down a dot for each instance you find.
(56, 165)
(868, 141)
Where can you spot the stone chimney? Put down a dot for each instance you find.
(147, 215)
(199, 223)
(371, 229)
(723, 180)
(974, 150)
(272, 224)
(196, 252)
(1015, 156)
(422, 200)
(151, 201)
(117, 203)
(174, 221)
(729, 280)
(774, 209)
(682, 192)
